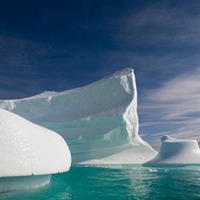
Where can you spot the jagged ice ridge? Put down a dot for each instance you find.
(98, 121)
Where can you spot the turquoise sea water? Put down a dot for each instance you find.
(117, 182)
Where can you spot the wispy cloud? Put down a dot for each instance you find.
(163, 24)
(174, 108)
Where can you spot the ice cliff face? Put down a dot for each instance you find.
(99, 121)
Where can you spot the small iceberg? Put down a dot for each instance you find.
(29, 153)
(176, 152)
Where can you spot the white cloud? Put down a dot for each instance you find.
(173, 108)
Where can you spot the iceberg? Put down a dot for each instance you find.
(176, 152)
(29, 153)
(99, 121)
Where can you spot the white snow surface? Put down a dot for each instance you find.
(28, 149)
(176, 152)
(98, 121)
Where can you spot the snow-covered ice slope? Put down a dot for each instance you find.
(99, 121)
(27, 149)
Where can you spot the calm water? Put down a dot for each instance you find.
(117, 182)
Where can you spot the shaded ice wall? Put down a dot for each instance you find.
(99, 121)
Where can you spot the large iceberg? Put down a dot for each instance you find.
(176, 152)
(99, 121)
(29, 153)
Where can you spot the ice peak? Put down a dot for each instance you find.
(122, 72)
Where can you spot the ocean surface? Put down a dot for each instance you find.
(117, 182)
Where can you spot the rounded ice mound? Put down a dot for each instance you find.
(27, 149)
(176, 152)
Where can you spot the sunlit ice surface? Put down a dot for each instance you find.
(29, 153)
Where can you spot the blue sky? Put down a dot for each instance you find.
(58, 45)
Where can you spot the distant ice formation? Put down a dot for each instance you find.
(174, 152)
(98, 121)
(29, 153)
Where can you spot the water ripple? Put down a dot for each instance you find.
(119, 182)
